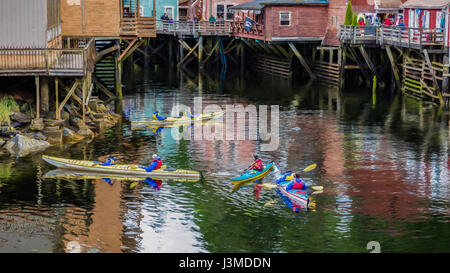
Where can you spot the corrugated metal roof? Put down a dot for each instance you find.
(426, 3)
(24, 24)
(259, 4)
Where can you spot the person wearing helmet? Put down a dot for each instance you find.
(157, 116)
(154, 165)
(296, 184)
(257, 164)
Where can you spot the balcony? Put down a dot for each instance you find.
(256, 31)
(204, 28)
(65, 61)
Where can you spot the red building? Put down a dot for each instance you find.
(282, 20)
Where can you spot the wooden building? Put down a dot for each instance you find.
(282, 20)
(108, 18)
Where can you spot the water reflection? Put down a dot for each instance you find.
(384, 166)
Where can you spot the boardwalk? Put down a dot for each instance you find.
(203, 28)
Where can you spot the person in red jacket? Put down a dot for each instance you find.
(296, 184)
(154, 165)
(257, 165)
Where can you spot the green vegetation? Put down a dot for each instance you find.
(355, 20)
(349, 14)
(7, 105)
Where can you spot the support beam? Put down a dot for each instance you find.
(69, 94)
(211, 52)
(367, 59)
(130, 51)
(103, 88)
(394, 67)
(433, 74)
(106, 51)
(38, 110)
(302, 61)
(130, 45)
(190, 52)
(57, 113)
(361, 66)
(200, 52)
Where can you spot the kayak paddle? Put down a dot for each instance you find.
(307, 169)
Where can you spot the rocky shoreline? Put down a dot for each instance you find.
(23, 135)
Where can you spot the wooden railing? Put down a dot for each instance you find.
(48, 61)
(408, 37)
(256, 32)
(221, 28)
(140, 27)
(411, 37)
(357, 34)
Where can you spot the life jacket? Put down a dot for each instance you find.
(258, 164)
(299, 184)
(158, 163)
(157, 116)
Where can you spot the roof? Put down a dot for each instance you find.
(259, 4)
(426, 4)
(388, 4)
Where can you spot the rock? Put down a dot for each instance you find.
(70, 136)
(85, 132)
(37, 136)
(23, 145)
(20, 117)
(2, 142)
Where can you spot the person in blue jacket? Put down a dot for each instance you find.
(111, 161)
(296, 184)
(157, 116)
(154, 165)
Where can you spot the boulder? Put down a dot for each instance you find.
(21, 145)
(85, 132)
(70, 136)
(20, 117)
(2, 142)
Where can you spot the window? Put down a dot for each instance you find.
(285, 18)
(440, 21)
(141, 11)
(169, 11)
(220, 10)
(230, 14)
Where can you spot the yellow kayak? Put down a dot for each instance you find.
(79, 175)
(181, 120)
(130, 169)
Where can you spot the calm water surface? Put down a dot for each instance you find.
(383, 162)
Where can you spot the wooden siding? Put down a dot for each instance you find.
(101, 18)
(305, 22)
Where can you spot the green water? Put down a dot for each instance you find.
(382, 160)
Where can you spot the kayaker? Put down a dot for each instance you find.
(111, 161)
(157, 116)
(154, 165)
(296, 184)
(257, 165)
(189, 114)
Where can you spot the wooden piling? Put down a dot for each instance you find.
(394, 67)
(36, 79)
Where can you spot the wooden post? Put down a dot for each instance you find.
(367, 59)
(200, 52)
(302, 61)
(57, 113)
(342, 68)
(118, 72)
(394, 67)
(170, 48)
(44, 90)
(433, 74)
(36, 79)
(83, 99)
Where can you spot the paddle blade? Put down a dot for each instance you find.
(317, 188)
(269, 186)
(310, 167)
(133, 185)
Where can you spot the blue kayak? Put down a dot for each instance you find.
(253, 175)
(299, 199)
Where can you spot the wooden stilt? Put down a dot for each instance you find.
(57, 113)
(190, 52)
(302, 61)
(69, 94)
(367, 59)
(118, 72)
(200, 52)
(342, 67)
(394, 67)
(38, 110)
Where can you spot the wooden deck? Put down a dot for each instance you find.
(415, 38)
(203, 28)
(48, 61)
